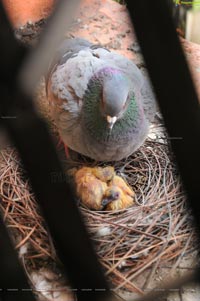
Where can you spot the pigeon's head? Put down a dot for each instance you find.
(109, 110)
(115, 95)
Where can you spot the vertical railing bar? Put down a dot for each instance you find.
(13, 281)
(174, 88)
(34, 144)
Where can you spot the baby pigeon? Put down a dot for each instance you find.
(101, 102)
(99, 188)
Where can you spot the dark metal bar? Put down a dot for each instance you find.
(175, 91)
(30, 135)
(32, 139)
(13, 282)
(37, 62)
(178, 102)
(11, 53)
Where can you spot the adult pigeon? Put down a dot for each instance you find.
(101, 102)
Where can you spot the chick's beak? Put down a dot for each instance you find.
(111, 121)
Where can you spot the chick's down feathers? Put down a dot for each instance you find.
(101, 189)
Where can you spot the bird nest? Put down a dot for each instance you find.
(154, 233)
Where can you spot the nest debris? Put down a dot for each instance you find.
(154, 233)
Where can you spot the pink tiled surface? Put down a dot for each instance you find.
(22, 11)
(105, 22)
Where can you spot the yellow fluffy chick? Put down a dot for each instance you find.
(91, 184)
(104, 173)
(116, 199)
(100, 189)
(119, 182)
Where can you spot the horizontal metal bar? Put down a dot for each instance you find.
(34, 143)
(54, 195)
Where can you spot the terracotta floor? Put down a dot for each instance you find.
(20, 11)
(105, 22)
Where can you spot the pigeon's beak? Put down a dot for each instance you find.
(111, 121)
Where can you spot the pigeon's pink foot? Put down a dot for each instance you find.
(59, 144)
(66, 151)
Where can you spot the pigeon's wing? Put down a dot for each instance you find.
(67, 49)
(67, 81)
(148, 97)
(73, 67)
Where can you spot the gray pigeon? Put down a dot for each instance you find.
(101, 102)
